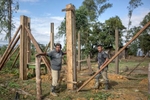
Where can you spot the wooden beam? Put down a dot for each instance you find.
(52, 37)
(23, 48)
(13, 52)
(102, 67)
(79, 52)
(116, 50)
(38, 78)
(71, 45)
(9, 46)
(28, 43)
(8, 53)
(15, 60)
(45, 60)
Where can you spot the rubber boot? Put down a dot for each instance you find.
(106, 86)
(53, 91)
(96, 86)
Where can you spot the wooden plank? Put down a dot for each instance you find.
(38, 78)
(45, 60)
(15, 60)
(9, 51)
(23, 49)
(52, 37)
(79, 52)
(9, 46)
(28, 43)
(102, 67)
(70, 39)
(47, 47)
(116, 50)
(13, 52)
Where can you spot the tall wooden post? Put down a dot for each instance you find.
(149, 79)
(79, 52)
(38, 78)
(52, 37)
(116, 50)
(23, 48)
(28, 43)
(71, 46)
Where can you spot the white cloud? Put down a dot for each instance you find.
(40, 27)
(136, 18)
(23, 11)
(29, 0)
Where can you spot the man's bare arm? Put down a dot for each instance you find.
(41, 54)
(105, 62)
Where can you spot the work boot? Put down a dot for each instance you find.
(106, 86)
(53, 91)
(96, 85)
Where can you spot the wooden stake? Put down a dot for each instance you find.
(71, 45)
(116, 50)
(102, 67)
(38, 78)
(52, 37)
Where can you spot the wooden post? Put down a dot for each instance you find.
(102, 67)
(52, 37)
(116, 50)
(79, 52)
(38, 78)
(28, 43)
(71, 46)
(149, 79)
(23, 48)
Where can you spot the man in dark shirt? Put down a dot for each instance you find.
(56, 63)
(102, 58)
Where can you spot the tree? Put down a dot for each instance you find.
(145, 36)
(95, 8)
(133, 4)
(7, 7)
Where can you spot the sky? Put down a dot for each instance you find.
(44, 12)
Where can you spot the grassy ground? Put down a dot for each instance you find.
(121, 88)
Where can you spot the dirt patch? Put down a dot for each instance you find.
(116, 77)
(144, 81)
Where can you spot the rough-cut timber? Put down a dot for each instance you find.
(23, 48)
(52, 37)
(38, 78)
(116, 50)
(7, 51)
(71, 44)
